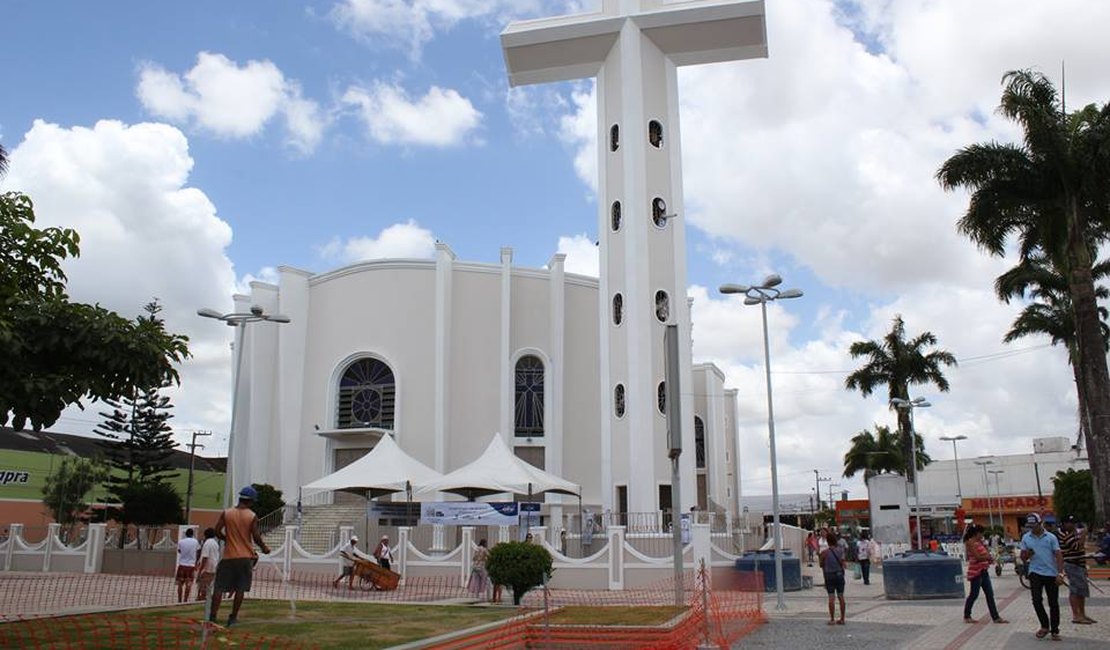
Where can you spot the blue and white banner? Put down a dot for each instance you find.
(470, 513)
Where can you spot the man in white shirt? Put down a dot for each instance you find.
(187, 550)
(206, 566)
(347, 556)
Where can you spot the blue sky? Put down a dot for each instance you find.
(199, 145)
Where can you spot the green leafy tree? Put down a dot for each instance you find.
(56, 353)
(269, 500)
(1072, 495)
(880, 452)
(520, 566)
(1049, 194)
(67, 488)
(1042, 282)
(898, 363)
(152, 504)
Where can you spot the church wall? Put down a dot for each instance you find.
(383, 312)
(582, 412)
(473, 366)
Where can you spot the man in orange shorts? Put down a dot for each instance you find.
(238, 528)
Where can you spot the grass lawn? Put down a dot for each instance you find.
(615, 615)
(321, 625)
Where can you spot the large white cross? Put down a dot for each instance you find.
(633, 47)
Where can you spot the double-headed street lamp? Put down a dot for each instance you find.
(238, 320)
(909, 405)
(762, 294)
(983, 462)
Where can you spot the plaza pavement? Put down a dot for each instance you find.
(875, 622)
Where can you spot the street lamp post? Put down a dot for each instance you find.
(238, 320)
(910, 405)
(956, 462)
(761, 295)
(986, 484)
(998, 497)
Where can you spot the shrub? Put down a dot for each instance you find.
(519, 566)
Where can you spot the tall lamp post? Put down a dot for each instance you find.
(238, 320)
(986, 484)
(762, 294)
(909, 405)
(956, 463)
(998, 497)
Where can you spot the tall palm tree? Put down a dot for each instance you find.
(1051, 193)
(898, 364)
(878, 453)
(1040, 279)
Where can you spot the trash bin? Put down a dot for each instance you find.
(919, 575)
(764, 562)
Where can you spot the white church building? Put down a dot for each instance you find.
(570, 370)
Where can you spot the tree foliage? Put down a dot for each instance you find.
(66, 489)
(53, 352)
(1050, 194)
(1072, 494)
(269, 499)
(152, 504)
(519, 566)
(879, 453)
(898, 363)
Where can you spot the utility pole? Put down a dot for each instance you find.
(192, 465)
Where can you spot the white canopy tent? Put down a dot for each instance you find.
(498, 470)
(385, 470)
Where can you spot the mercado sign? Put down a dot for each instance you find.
(1012, 504)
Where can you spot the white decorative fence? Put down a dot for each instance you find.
(51, 554)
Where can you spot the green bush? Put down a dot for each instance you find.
(519, 566)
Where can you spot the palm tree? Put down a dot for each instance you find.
(898, 364)
(1038, 279)
(877, 454)
(1052, 194)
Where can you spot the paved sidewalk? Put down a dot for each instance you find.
(875, 622)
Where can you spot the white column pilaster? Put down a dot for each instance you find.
(445, 260)
(505, 346)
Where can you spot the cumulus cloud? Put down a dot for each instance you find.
(401, 240)
(441, 118)
(582, 255)
(410, 24)
(125, 189)
(231, 100)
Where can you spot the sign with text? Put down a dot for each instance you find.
(470, 513)
(9, 477)
(1018, 504)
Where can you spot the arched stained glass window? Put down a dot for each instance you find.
(367, 396)
(662, 306)
(699, 442)
(529, 397)
(655, 133)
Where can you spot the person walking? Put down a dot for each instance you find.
(479, 577)
(187, 550)
(206, 565)
(832, 565)
(347, 556)
(238, 528)
(1075, 567)
(979, 560)
(811, 546)
(1041, 551)
(864, 549)
(382, 554)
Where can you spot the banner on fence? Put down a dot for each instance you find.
(472, 513)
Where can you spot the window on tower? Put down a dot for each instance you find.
(614, 137)
(618, 400)
(367, 393)
(659, 212)
(699, 442)
(618, 309)
(655, 133)
(615, 211)
(661, 394)
(662, 306)
(529, 397)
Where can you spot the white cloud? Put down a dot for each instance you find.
(401, 240)
(410, 24)
(230, 100)
(441, 118)
(582, 255)
(124, 188)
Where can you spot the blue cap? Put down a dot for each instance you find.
(248, 493)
